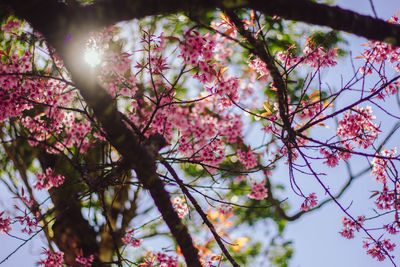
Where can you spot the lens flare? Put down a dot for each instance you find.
(92, 57)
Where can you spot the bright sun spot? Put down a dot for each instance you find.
(92, 57)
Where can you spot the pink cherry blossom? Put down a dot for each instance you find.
(129, 239)
(349, 226)
(160, 259)
(258, 191)
(332, 160)
(319, 57)
(11, 25)
(378, 249)
(4, 224)
(180, 206)
(310, 110)
(28, 223)
(195, 47)
(85, 261)
(248, 158)
(392, 228)
(310, 202)
(225, 209)
(259, 66)
(166, 260)
(227, 88)
(345, 155)
(52, 259)
(357, 126)
(388, 244)
(386, 199)
(376, 252)
(287, 58)
(379, 165)
(315, 57)
(48, 180)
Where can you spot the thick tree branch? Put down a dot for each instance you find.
(330, 16)
(141, 157)
(67, 18)
(297, 10)
(72, 231)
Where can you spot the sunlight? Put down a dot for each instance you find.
(92, 57)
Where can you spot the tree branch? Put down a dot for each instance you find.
(68, 18)
(201, 213)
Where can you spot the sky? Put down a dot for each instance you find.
(316, 238)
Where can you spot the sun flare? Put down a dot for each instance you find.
(92, 57)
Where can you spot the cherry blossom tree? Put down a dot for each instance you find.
(122, 121)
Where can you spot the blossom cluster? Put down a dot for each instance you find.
(258, 191)
(310, 109)
(377, 249)
(15, 88)
(197, 50)
(379, 164)
(85, 261)
(202, 131)
(20, 93)
(309, 202)
(166, 260)
(225, 209)
(248, 159)
(196, 47)
(28, 223)
(319, 57)
(388, 199)
(379, 52)
(332, 160)
(315, 57)
(4, 224)
(357, 126)
(159, 259)
(259, 66)
(48, 180)
(392, 228)
(349, 226)
(129, 239)
(199, 131)
(11, 25)
(180, 206)
(52, 259)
